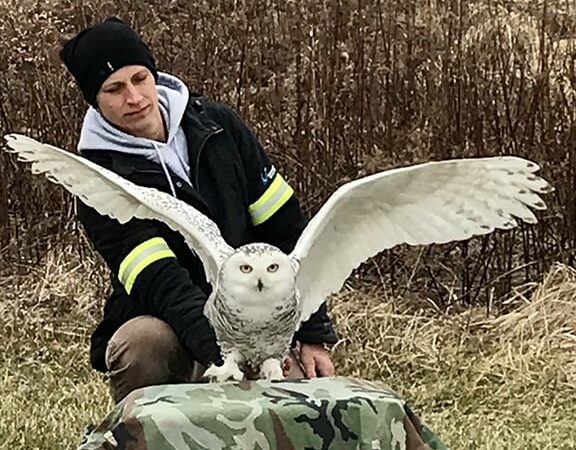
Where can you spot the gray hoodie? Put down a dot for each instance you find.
(98, 134)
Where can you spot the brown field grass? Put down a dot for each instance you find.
(480, 382)
(480, 336)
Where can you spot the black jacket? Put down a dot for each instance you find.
(229, 171)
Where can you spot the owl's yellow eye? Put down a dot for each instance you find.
(272, 267)
(245, 268)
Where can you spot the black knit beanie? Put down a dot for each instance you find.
(97, 52)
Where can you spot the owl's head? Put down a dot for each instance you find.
(257, 273)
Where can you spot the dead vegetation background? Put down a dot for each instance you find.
(335, 90)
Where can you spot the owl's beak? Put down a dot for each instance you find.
(260, 285)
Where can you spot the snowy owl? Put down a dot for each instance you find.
(261, 295)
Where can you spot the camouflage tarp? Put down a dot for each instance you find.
(324, 413)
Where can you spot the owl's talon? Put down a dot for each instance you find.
(220, 374)
(227, 371)
(271, 369)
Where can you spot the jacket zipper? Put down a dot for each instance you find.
(148, 171)
(202, 144)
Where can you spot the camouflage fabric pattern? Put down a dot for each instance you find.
(323, 413)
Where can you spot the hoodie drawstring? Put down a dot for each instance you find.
(163, 164)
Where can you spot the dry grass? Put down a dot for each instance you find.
(481, 383)
(47, 391)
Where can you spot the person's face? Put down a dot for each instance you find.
(129, 99)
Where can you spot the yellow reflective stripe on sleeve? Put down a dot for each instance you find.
(141, 257)
(271, 201)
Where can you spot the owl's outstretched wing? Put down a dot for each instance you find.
(429, 203)
(114, 196)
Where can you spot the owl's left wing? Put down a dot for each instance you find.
(429, 203)
(120, 199)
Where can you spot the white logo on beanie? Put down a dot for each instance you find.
(110, 66)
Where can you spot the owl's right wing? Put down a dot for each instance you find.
(120, 199)
(428, 203)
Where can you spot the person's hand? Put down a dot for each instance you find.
(315, 361)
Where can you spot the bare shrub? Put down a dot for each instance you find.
(335, 90)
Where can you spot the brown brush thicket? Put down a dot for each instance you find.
(335, 90)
